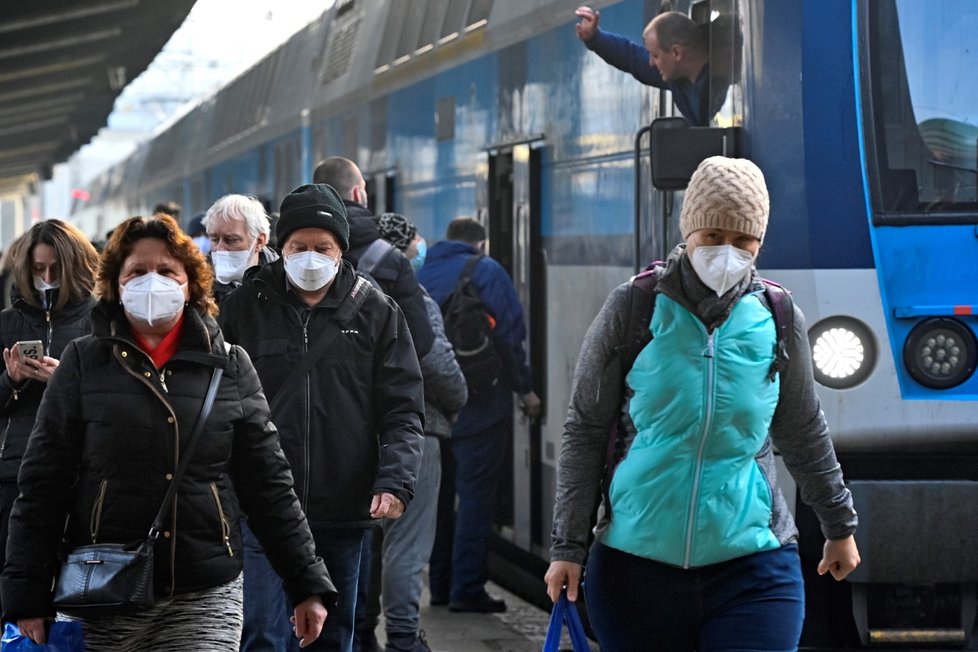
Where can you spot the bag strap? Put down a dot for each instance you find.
(469, 269)
(779, 302)
(348, 308)
(565, 613)
(205, 411)
(372, 256)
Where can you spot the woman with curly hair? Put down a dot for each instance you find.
(109, 436)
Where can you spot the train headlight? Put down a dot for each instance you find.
(940, 353)
(843, 352)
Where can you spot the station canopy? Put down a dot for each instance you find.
(62, 65)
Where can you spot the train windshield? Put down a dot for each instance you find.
(923, 109)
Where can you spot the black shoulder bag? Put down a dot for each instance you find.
(113, 578)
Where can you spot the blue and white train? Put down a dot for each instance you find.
(863, 115)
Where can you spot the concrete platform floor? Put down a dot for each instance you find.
(522, 628)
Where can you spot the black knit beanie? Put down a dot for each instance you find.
(313, 205)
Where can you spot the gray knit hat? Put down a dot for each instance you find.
(726, 193)
(313, 205)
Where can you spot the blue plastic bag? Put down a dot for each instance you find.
(565, 613)
(63, 636)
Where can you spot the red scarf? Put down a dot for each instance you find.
(167, 346)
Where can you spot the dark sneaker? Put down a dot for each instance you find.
(439, 600)
(482, 604)
(408, 643)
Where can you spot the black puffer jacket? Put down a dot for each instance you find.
(107, 439)
(394, 274)
(23, 322)
(351, 427)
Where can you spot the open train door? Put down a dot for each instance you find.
(516, 242)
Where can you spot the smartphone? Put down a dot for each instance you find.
(33, 349)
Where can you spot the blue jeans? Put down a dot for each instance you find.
(266, 612)
(478, 462)
(407, 547)
(266, 607)
(368, 589)
(754, 603)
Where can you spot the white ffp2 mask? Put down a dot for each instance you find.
(310, 270)
(152, 298)
(721, 267)
(230, 266)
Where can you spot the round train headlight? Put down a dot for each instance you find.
(940, 353)
(843, 352)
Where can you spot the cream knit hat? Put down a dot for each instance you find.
(726, 193)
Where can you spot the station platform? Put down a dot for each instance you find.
(521, 628)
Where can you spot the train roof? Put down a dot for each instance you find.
(63, 65)
(358, 49)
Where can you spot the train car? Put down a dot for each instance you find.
(861, 115)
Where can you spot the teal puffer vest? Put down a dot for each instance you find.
(689, 491)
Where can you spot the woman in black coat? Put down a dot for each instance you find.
(108, 439)
(53, 273)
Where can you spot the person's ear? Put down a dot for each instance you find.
(361, 195)
(262, 241)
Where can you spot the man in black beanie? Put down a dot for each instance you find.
(341, 375)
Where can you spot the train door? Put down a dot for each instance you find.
(516, 242)
(381, 187)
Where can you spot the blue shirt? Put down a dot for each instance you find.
(692, 98)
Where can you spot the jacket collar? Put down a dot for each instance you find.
(201, 340)
(70, 310)
(450, 249)
(271, 279)
(679, 282)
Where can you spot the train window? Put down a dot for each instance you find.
(720, 24)
(924, 109)
(445, 118)
(726, 60)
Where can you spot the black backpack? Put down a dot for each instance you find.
(468, 326)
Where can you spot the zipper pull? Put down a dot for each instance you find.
(163, 381)
(709, 350)
(227, 542)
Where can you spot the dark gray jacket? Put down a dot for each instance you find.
(445, 392)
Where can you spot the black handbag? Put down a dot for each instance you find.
(112, 578)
